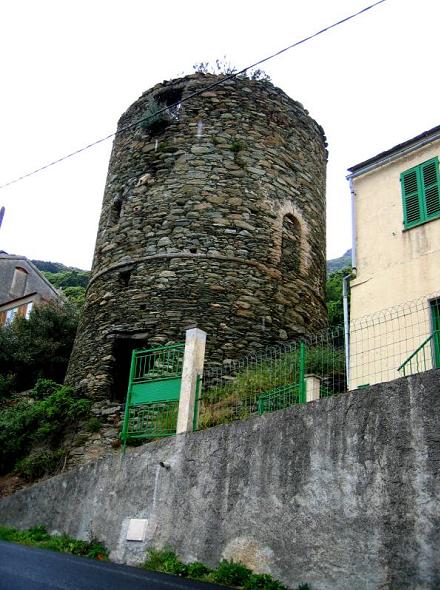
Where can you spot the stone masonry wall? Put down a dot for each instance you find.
(342, 493)
(215, 220)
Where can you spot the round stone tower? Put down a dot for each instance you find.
(213, 216)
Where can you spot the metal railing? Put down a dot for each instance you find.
(422, 358)
(272, 380)
(382, 347)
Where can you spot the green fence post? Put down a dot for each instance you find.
(302, 372)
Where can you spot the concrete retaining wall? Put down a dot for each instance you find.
(342, 493)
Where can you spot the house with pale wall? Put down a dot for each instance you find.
(22, 286)
(395, 292)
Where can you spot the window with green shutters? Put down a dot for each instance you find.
(420, 193)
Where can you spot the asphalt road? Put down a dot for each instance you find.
(27, 568)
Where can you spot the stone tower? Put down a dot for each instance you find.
(214, 216)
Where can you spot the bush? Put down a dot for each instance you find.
(263, 582)
(154, 118)
(42, 421)
(39, 537)
(7, 385)
(231, 573)
(43, 388)
(93, 424)
(38, 465)
(198, 571)
(165, 560)
(228, 573)
(37, 348)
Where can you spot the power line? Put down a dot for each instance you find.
(194, 94)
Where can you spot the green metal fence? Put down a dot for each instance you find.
(272, 380)
(153, 393)
(394, 342)
(425, 357)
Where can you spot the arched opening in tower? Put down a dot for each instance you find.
(291, 245)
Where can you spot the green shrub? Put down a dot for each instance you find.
(93, 424)
(198, 571)
(7, 385)
(228, 573)
(40, 464)
(153, 119)
(42, 421)
(38, 347)
(231, 573)
(43, 388)
(165, 560)
(263, 582)
(68, 278)
(39, 537)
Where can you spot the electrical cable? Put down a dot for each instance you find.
(194, 94)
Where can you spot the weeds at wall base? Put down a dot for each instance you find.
(38, 536)
(227, 573)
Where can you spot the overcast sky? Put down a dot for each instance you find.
(69, 69)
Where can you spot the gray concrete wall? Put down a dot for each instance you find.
(342, 493)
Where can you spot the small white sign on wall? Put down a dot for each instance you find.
(137, 527)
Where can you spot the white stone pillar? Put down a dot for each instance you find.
(313, 385)
(193, 360)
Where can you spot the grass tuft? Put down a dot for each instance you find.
(228, 573)
(38, 536)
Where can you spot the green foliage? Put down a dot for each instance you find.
(93, 424)
(43, 388)
(263, 582)
(39, 537)
(68, 278)
(236, 147)
(75, 295)
(29, 423)
(165, 560)
(334, 297)
(154, 118)
(235, 400)
(38, 347)
(71, 281)
(38, 465)
(55, 267)
(198, 570)
(7, 385)
(228, 573)
(231, 573)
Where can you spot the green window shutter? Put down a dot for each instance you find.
(430, 178)
(412, 210)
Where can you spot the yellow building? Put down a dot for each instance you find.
(395, 292)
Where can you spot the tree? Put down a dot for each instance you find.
(37, 347)
(334, 297)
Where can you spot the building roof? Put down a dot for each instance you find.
(36, 281)
(407, 146)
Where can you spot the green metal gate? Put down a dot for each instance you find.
(153, 393)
